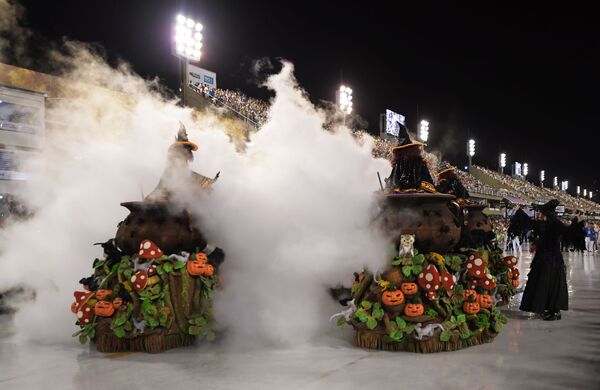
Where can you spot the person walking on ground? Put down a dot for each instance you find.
(546, 289)
(590, 237)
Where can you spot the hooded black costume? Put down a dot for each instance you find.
(546, 288)
(410, 171)
(449, 182)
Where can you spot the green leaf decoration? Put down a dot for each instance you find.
(361, 314)
(377, 311)
(366, 304)
(128, 326)
(417, 269)
(445, 336)
(179, 265)
(397, 336)
(119, 332)
(120, 320)
(431, 312)
(397, 261)
(194, 330)
(401, 323)
(167, 267)
(497, 327)
(418, 259)
(465, 335)
(82, 338)
(341, 321)
(409, 329)
(407, 270)
(128, 273)
(153, 322)
(461, 318)
(371, 323)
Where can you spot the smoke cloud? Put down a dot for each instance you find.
(292, 211)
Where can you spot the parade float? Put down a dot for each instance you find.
(432, 295)
(152, 290)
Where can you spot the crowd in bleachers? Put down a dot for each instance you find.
(253, 109)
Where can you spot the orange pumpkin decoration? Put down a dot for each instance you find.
(509, 274)
(117, 302)
(485, 300)
(471, 306)
(409, 288)
(515, 283)
(104, 309)
(202, 268)
(392, 298)
(467, 293)
(102, 294)
(414, 309)
(201, 257)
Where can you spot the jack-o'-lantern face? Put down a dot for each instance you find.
(471, 306)
(117, 302)
(201, 257)
(409, 288)
(414, 309)
(485, 300)
(392, 298)
(102, 294)
(104, 309)
(468, 293)
(196, 268)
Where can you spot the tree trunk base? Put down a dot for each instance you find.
(374, 340)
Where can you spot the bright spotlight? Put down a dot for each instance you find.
(502, 160)
(345, 99)
(424, 130)
(188, 38)
(471, 147)
(525, 169)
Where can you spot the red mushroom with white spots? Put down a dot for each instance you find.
(473, 284)
(488, 283)
(429, 279)
(510, 261)
(432, 295)
(85, 313)
(149, 250)
(139, 280)
(475, 266)
(448, 280)
(152, 270)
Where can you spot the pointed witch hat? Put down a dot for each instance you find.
(404, 140)
(182, 138)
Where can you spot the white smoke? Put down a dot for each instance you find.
(292, 212)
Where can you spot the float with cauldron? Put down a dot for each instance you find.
(152, 290)
(431, 296)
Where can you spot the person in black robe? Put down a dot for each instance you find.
(577, 235)
(449, 183)
(546, 289)
(410, 171)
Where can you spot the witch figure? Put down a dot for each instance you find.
(410, 172)
(449, 183)
(546, 290)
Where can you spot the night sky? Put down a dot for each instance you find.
(520, 81)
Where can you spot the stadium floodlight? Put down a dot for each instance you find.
(345, 99)
(525, 169)
(590, 194)
(188, 38)
(555, 181)
(470, 151)
(578, 190)
(471, 147)
(584, 192)
(424, 130)
(542, 176)
(502, 162)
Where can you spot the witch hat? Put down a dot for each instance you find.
(404, 139)
(444, 167)
(182, 138)
(549, 208)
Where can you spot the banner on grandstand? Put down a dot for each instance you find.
(391, 122)
(199, 76)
